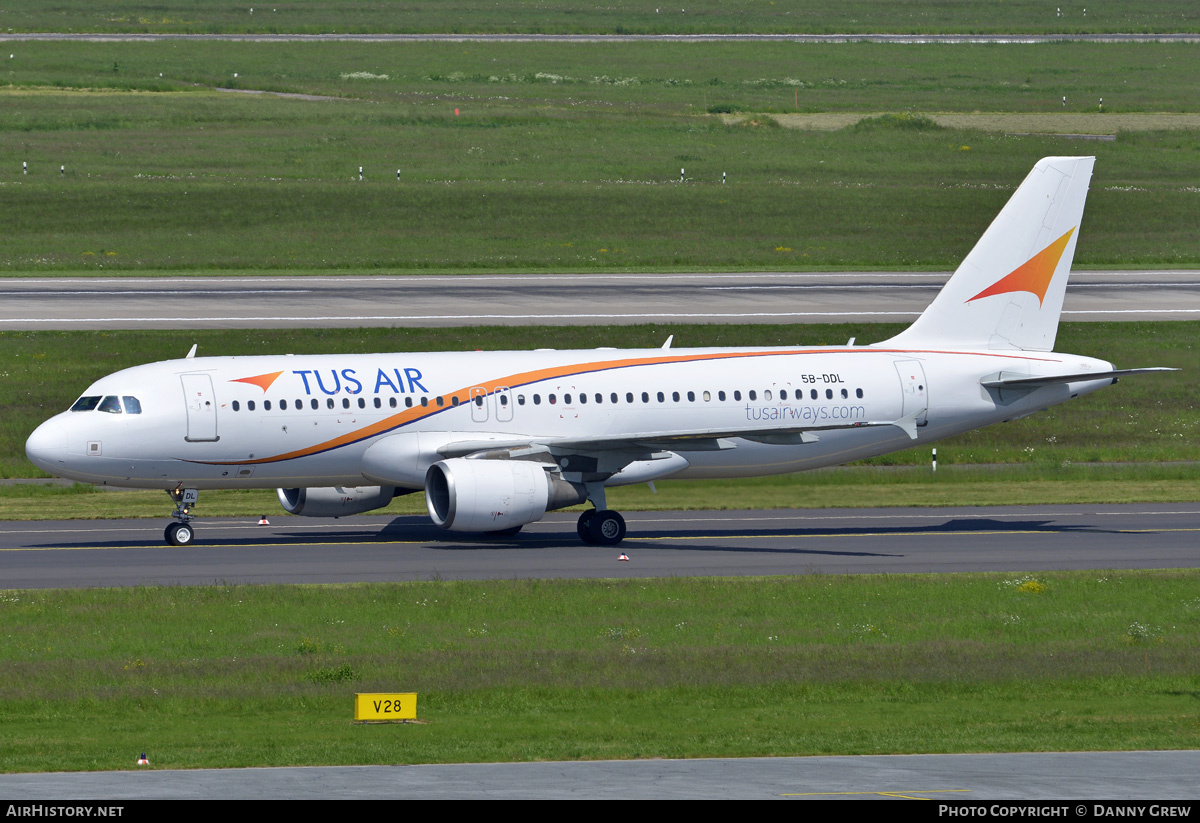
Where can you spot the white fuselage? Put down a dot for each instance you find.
(309, 420)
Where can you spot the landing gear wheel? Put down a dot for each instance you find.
(607, 528)
(584, 526)
(179, 534)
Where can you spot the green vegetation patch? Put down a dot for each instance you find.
(544, 157)
(531, 670)
(863, 486)
(610, 17)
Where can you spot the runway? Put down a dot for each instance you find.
(284, 301)
(944, 778)
(73, 554)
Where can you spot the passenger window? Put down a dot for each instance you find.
(86, 403)
(721, 396)
(110, 404)
(133, 405)
(408, 402)
(783, 394)
(692, 396)
(441, 401)
(392, 402)
(454, 400)
(814, 394)
(329, 402)
(645, 397)
(424, 401)
(479, 400)
(283, 405)
(315, 405)
(662, 398)
(628, 397)
(567, 399)
(503, 400)
(858, 393)
(520, 400)
(266, 405)
(675, 396)
(829, 394)
(737, 395)
(552, 400)
(378, 403)
(845, 394)
(767, 394)
(345, 402)
(249, 405)
(537, 400)
(236, 406)
(362, 403)
(753, 395)
(615, 398)
(707, 396)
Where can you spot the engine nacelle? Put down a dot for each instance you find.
(336, 501)
(492, 495)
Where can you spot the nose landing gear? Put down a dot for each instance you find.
(181, 533)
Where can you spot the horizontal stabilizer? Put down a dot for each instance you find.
(1004, 380)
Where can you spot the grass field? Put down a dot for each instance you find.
(612, 17)
(529, 670)
(558, 162)
(564, 158)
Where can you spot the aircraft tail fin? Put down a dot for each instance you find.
(1008, 292)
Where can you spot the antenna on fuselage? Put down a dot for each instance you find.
(191, 352)
(667, 345)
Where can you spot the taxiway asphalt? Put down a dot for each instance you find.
(1158, 777)
(370, 548)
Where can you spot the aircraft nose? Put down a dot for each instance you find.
(47, 447)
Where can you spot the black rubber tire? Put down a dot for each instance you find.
(179, 534)
(584, 526)
(607, 528)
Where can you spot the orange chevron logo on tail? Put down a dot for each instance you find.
(263, 381)
(1033, 275)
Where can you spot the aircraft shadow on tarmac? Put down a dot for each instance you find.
(417, 529)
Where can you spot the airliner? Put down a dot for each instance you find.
(496, 440)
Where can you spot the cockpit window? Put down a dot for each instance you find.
(132, 404)
(85, 403)
(110, 404)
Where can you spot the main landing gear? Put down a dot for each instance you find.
(601, 527)
(181, 533)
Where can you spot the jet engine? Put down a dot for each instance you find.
(335, 501)
(467, 495)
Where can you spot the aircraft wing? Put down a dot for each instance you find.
(653, 441)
